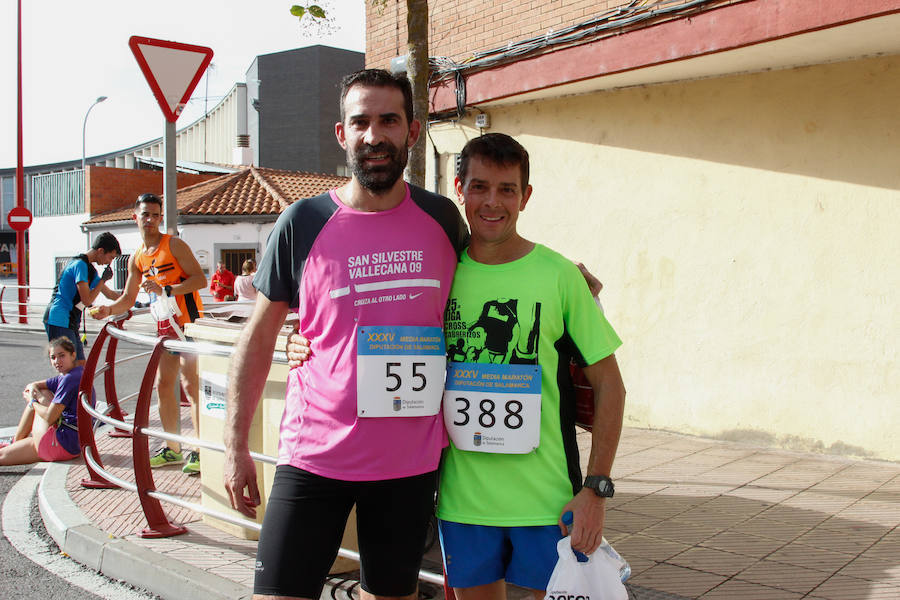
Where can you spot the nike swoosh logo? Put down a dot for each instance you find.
(414, 296)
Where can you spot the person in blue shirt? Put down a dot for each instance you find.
(78, 286)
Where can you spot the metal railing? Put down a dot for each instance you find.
(158, 525)
(31, 309)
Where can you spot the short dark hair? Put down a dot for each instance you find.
(379, 78)
(107, 242)
(63, 342)
(497, 148)
(148, 199)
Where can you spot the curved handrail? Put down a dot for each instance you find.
(190, 347)
(181, 439)
(27, 287)
(23, 318)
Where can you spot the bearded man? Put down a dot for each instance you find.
(368, 267)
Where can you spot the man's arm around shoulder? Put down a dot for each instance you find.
(246, 379)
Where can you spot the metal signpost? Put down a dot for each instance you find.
(20, 189)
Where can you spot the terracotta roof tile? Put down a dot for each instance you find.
(250, 191)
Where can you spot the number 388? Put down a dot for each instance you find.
(486, 417)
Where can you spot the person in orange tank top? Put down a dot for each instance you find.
(165, 264)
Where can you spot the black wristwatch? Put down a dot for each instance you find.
(168, 289)
(601, 484)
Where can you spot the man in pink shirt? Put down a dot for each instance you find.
(368, 268)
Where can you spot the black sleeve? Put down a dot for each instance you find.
(281, 268)
(442, 210)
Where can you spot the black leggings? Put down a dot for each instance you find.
(304, 523)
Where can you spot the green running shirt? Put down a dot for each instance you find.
(526, 311)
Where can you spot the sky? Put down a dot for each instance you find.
(75, 51)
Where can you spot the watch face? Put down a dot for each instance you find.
(602, 486)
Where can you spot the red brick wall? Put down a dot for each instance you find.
(109, 188)
(460, 27)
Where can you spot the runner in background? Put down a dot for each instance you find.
(165, 266)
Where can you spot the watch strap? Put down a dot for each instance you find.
(601, 484)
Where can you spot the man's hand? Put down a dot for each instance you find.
(151, 287)
(107, 274)
(589, 511)
(298, 351)
(240, 474)
(593, 283)
(99, 312)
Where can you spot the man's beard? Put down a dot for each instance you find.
(381, 178)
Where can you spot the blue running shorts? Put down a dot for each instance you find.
(482, 554)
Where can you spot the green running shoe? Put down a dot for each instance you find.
(166, 456)
(193, 463)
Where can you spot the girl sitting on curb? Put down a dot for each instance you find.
(48, 428)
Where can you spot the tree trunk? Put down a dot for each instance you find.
(417, 70)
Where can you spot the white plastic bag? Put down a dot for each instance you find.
(164, 309)
(597, 579)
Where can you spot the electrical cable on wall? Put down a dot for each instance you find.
(609, 23)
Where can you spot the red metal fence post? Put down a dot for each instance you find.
(158, 524)
(109, 384)
(85, 422)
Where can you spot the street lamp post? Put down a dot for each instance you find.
(84, 128)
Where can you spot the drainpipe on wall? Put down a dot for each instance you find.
(437, 171)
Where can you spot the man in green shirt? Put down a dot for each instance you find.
(512, 468)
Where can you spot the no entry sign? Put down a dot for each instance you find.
(19, 218)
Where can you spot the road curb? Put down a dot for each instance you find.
(120, 559)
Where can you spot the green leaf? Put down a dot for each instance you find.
(298, 11)
(316, 11)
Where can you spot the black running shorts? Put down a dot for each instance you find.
(304, 523)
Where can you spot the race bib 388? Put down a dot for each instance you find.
(493, 408)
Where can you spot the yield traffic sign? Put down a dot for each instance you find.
(172, 69)
(19, 218)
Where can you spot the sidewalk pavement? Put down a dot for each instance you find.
(695, 518)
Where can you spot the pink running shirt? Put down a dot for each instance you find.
(346, 268)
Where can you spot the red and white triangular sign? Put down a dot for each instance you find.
(172, 69)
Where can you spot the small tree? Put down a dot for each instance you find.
(417, 70)
(314, 17)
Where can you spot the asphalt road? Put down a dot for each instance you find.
(23, 359)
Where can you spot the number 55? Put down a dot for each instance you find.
(397, 379)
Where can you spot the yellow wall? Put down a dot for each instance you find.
(747, 230)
